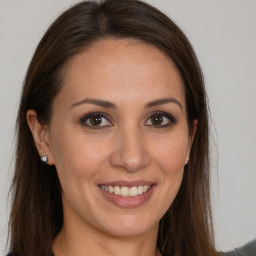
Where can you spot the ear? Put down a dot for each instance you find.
(41, 136)
(193, 131)
(191, 139)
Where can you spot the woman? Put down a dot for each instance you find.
(112, 152)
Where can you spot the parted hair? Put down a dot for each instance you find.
(36, 214)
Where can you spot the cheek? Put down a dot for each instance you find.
(78, 160)
(169, 158)
(76, 155)
(171, 154)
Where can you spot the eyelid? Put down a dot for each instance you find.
(85, 117)
(170, 117)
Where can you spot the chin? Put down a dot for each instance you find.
(129, 226)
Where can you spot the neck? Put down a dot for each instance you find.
(93, 242)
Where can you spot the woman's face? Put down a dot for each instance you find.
(119, 137)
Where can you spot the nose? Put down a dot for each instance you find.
(130, 151)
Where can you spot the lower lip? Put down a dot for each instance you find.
(128, 202)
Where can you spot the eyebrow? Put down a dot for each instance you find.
(98, 102)
(108, 104)
(163, 101)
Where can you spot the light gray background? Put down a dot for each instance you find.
(223, 33)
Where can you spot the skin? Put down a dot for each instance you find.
(127, 146)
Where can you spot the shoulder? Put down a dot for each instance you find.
(230, 253)
(248, 249)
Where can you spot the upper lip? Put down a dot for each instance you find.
(128, 184)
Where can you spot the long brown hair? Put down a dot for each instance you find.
(36, 215)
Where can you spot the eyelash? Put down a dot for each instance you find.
(87, 117)
(164, 115)
(170, 119)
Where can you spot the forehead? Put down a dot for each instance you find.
(120, 70)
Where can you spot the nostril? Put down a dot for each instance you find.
(131, 161)
(129, 151)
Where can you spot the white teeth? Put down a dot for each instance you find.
(125, 191)
(140, 190)
(133, 191)
(117, 190)
(111, 189)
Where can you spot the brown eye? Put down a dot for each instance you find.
(161, 120)
(156, 119)
(95, 120)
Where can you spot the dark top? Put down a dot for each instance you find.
(247, 250)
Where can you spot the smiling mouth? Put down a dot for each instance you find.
(126, 191)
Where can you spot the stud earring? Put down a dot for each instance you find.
(187, 160)
(44, 159)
